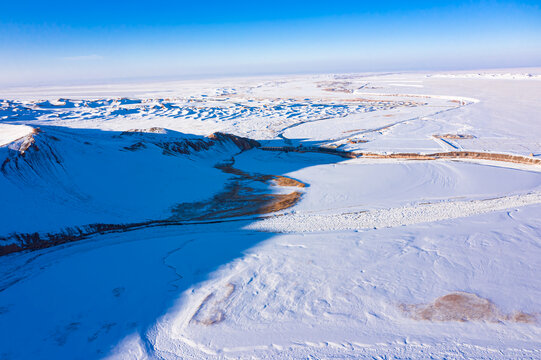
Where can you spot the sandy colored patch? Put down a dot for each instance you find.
(454, 136)
(474, 155)
(237, 200)
(519, 159)
(459, 102)
(357, 141)
(463, 306)
(240, 198)
(521, 317)
(278, 202)
(241, 142)
(277, 180)
(212, 308)
(287, 181)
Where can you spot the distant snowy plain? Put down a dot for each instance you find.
(380, 258)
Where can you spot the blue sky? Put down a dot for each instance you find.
(45, 42)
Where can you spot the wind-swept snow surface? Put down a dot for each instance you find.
(328, 216)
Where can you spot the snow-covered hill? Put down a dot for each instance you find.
(60, 183)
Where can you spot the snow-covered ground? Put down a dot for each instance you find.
(380, 258)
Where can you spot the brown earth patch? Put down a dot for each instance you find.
(521, 317)
(241, 142)
(357, 141)
(474, 155)
(463, 306)
(212, 309)
(454, 136)
(240, 198)
(286, 181)
(518, 159)
(278, 180)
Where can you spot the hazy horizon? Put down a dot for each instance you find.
(72, 43)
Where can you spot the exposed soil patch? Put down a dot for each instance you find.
(286, 181)
(212, 308)
(459, 102)
(475, 155)
(462, 306)
(278, 180)
(357, 141)
(454, 136)
(519, 159)
(241, 198)
(241, 142)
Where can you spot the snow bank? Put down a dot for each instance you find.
(11, 133)
(391, 217)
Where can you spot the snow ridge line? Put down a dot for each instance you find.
(392, 217)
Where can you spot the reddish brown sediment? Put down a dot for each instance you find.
(211, 310)
(278, 179)
(240, 199)
(473, 155)
(459, 102)
(462, 306)
(241, 142)
(520, 317)
(357, 141)
(454, 136)
(287, 181)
